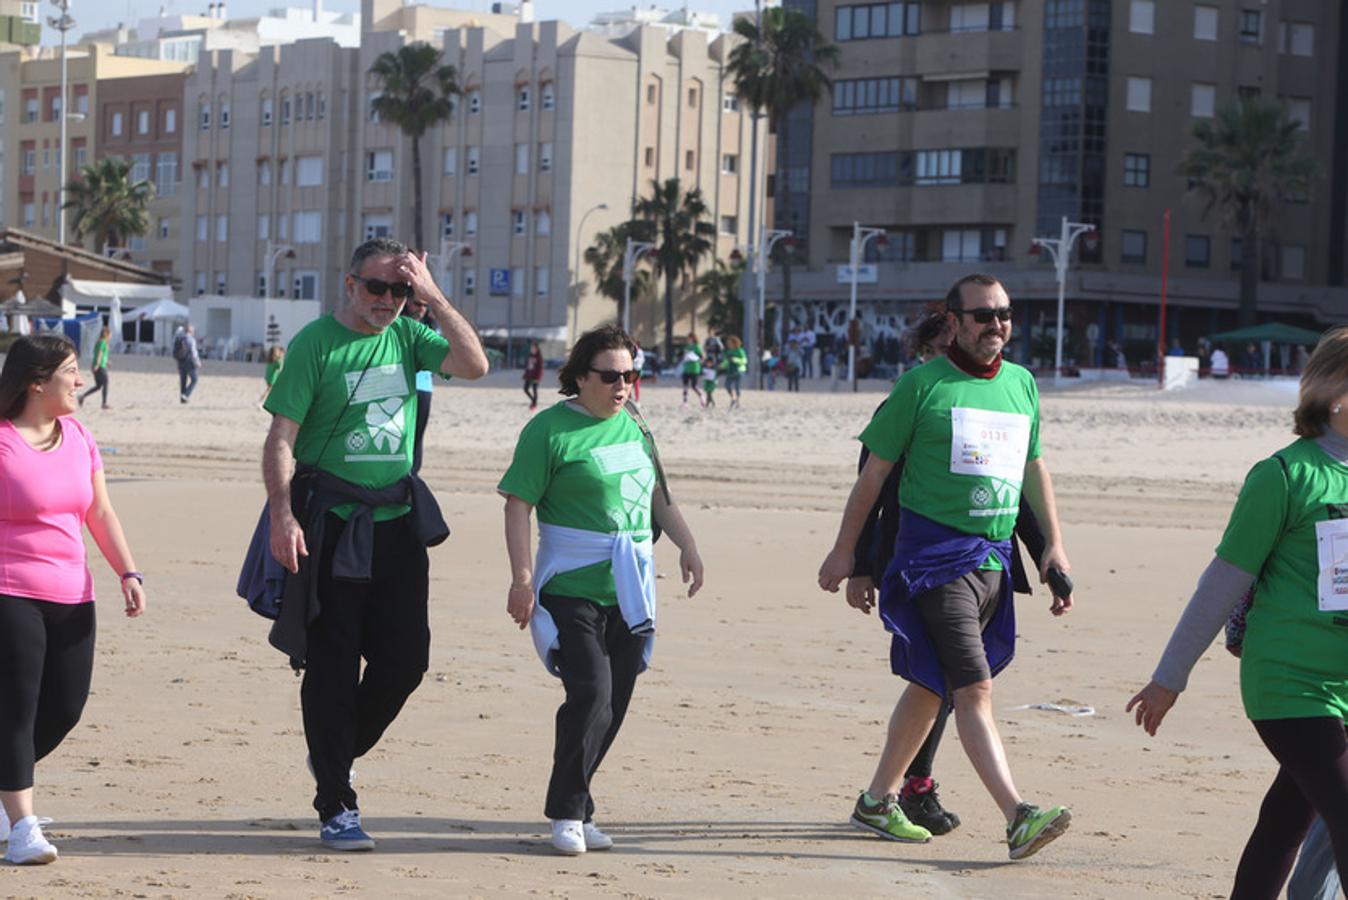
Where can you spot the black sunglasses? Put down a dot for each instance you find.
(985, 314)
(609, 376)
(400, 290)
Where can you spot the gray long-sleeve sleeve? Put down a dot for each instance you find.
(1220, 588)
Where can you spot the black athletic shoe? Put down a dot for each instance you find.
(926, 810)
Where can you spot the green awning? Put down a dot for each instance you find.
(1275, 332)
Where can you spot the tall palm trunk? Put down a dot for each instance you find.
(416, 199)
(669, 316)
(783, 213)
(1250, 260)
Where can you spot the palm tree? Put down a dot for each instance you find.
(107, 204)
(777, 66)
(721, 284)
(1251, 155)
(605, 258)
(415, 94)
(673, 221)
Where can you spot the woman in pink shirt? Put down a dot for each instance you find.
(51, 487)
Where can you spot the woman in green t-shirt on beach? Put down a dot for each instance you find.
(590, 469)
(100, 367)
(1288, 539)
(275, 359)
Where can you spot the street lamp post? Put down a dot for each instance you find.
(633, 250)
(63, 24)
(448, 250)
(580, 239)
(861, 235)
(1061, 250)
(751, 323)
(275, 252)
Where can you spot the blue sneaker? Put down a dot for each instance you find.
(343, 832)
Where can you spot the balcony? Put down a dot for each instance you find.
(969, 51)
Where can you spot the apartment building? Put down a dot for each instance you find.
(553, 123)
(967, 129)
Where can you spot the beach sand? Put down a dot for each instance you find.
(750, 736)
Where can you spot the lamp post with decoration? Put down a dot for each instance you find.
(1061, 250)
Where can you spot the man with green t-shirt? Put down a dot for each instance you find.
(343, 418)
(967, 426)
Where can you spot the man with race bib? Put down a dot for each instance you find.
(967, 425)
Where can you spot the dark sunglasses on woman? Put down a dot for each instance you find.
(985, 314)
(609, 376)
(377, 287)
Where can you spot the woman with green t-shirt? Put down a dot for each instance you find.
(100, 367)
(275, 359)
(590, 469)
(1288, 539)
(736, 364)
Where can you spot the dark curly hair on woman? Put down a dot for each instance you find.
(591, 344)
(31, 360)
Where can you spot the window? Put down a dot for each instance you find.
(1296, 38)
(862, 96)
(650, 94)
(730, 103)
(262, 284)
(541, 281)
(283, 169)
(864, 169)
(203, 229)
(372, 107)
(116, 124)
(1197, 250)
(521, 159)
(283, 227)
(203, 176)
(522, 99)
(451, 160)
(1139, 94)
(1202, 100)
(542, 223)
(308, 106)
(1251, 26)
(1133, 246)
(170, 121)
(306, 284)
(140, 168)
(29, 165)
(1142, 17)
(222, 174)
(46, 158)
(1292, 262)
(519, 220)
(204, 116)
(220, 283)
(729, 163)
(379, 165)
(81, 100)
(545, 156)
(266, 111)
(222, 228)
(548, 100)
(143, 122)
(1299, 111)
(322, 105)
(308, 171)
(1137, 170)
(200, 283)
(517, 281)
(163, 229)
(446, 224)
(1205, 23)
(285, 110)
(470, 222)
(474, 102)
(264, 172)
(729, 225)
(688, 159)
(880, 20)
(264, 227)
(30, 113)
(474, 161)
(166, 175)
(55, 112)
(81, 157)
(650, 157)
(469, 281)
(29, 213)
(938, 166)
(376, 225)
(692, 98)
(307, 228)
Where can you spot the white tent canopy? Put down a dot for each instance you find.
(99, 294)
(158, 310)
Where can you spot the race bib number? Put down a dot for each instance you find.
(1331, 538)
(990, 444)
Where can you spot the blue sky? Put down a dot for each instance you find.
(91, 15)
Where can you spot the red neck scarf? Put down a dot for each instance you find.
(966, 363)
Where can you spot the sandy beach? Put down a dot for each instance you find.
(760, 718)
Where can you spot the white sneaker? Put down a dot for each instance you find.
(568, 837)
(27, 845)
(596, 839)
(4, 825)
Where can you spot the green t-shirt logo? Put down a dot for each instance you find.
(629, 461)
(383, 390)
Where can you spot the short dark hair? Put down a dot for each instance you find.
(954, 300)
(375, 247)
(587, 347)
(927, 330)
(32, 359)
(1324, 379)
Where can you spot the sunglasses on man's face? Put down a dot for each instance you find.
(985, 314)
(609, 376)
(377, 287)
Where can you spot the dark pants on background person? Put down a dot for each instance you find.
(531, 391)
(423, 416)
(187, 380)
(46, 661)
(599, 660)
(384, 621)
(100, 384)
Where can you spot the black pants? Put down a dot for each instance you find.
(926, 754)
(531, 391)
(384, 622)
(1312, 755)
(187, 379)
(100, 384)
(46, 660)
(600, 659)
(423, 416)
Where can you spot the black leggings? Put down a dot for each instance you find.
(531, 391)
(921, 765)
(1312, 755)
(46, 659)
(100, 384)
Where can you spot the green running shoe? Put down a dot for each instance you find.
(885, 818)
(1033, 828)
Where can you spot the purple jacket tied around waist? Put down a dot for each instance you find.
(927, 555)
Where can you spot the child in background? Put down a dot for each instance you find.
(275, 356)
(709, 376)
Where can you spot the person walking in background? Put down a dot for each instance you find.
(189, 361)
(52, 487)
(692, 368)
(1221, 365)
(794, 361)
(709, 384)
(589, 466)
(736, 364)
(533, 374)
(275, 359)
(638, 363)
(807, 341)
(100, 367)
(1284, 542)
